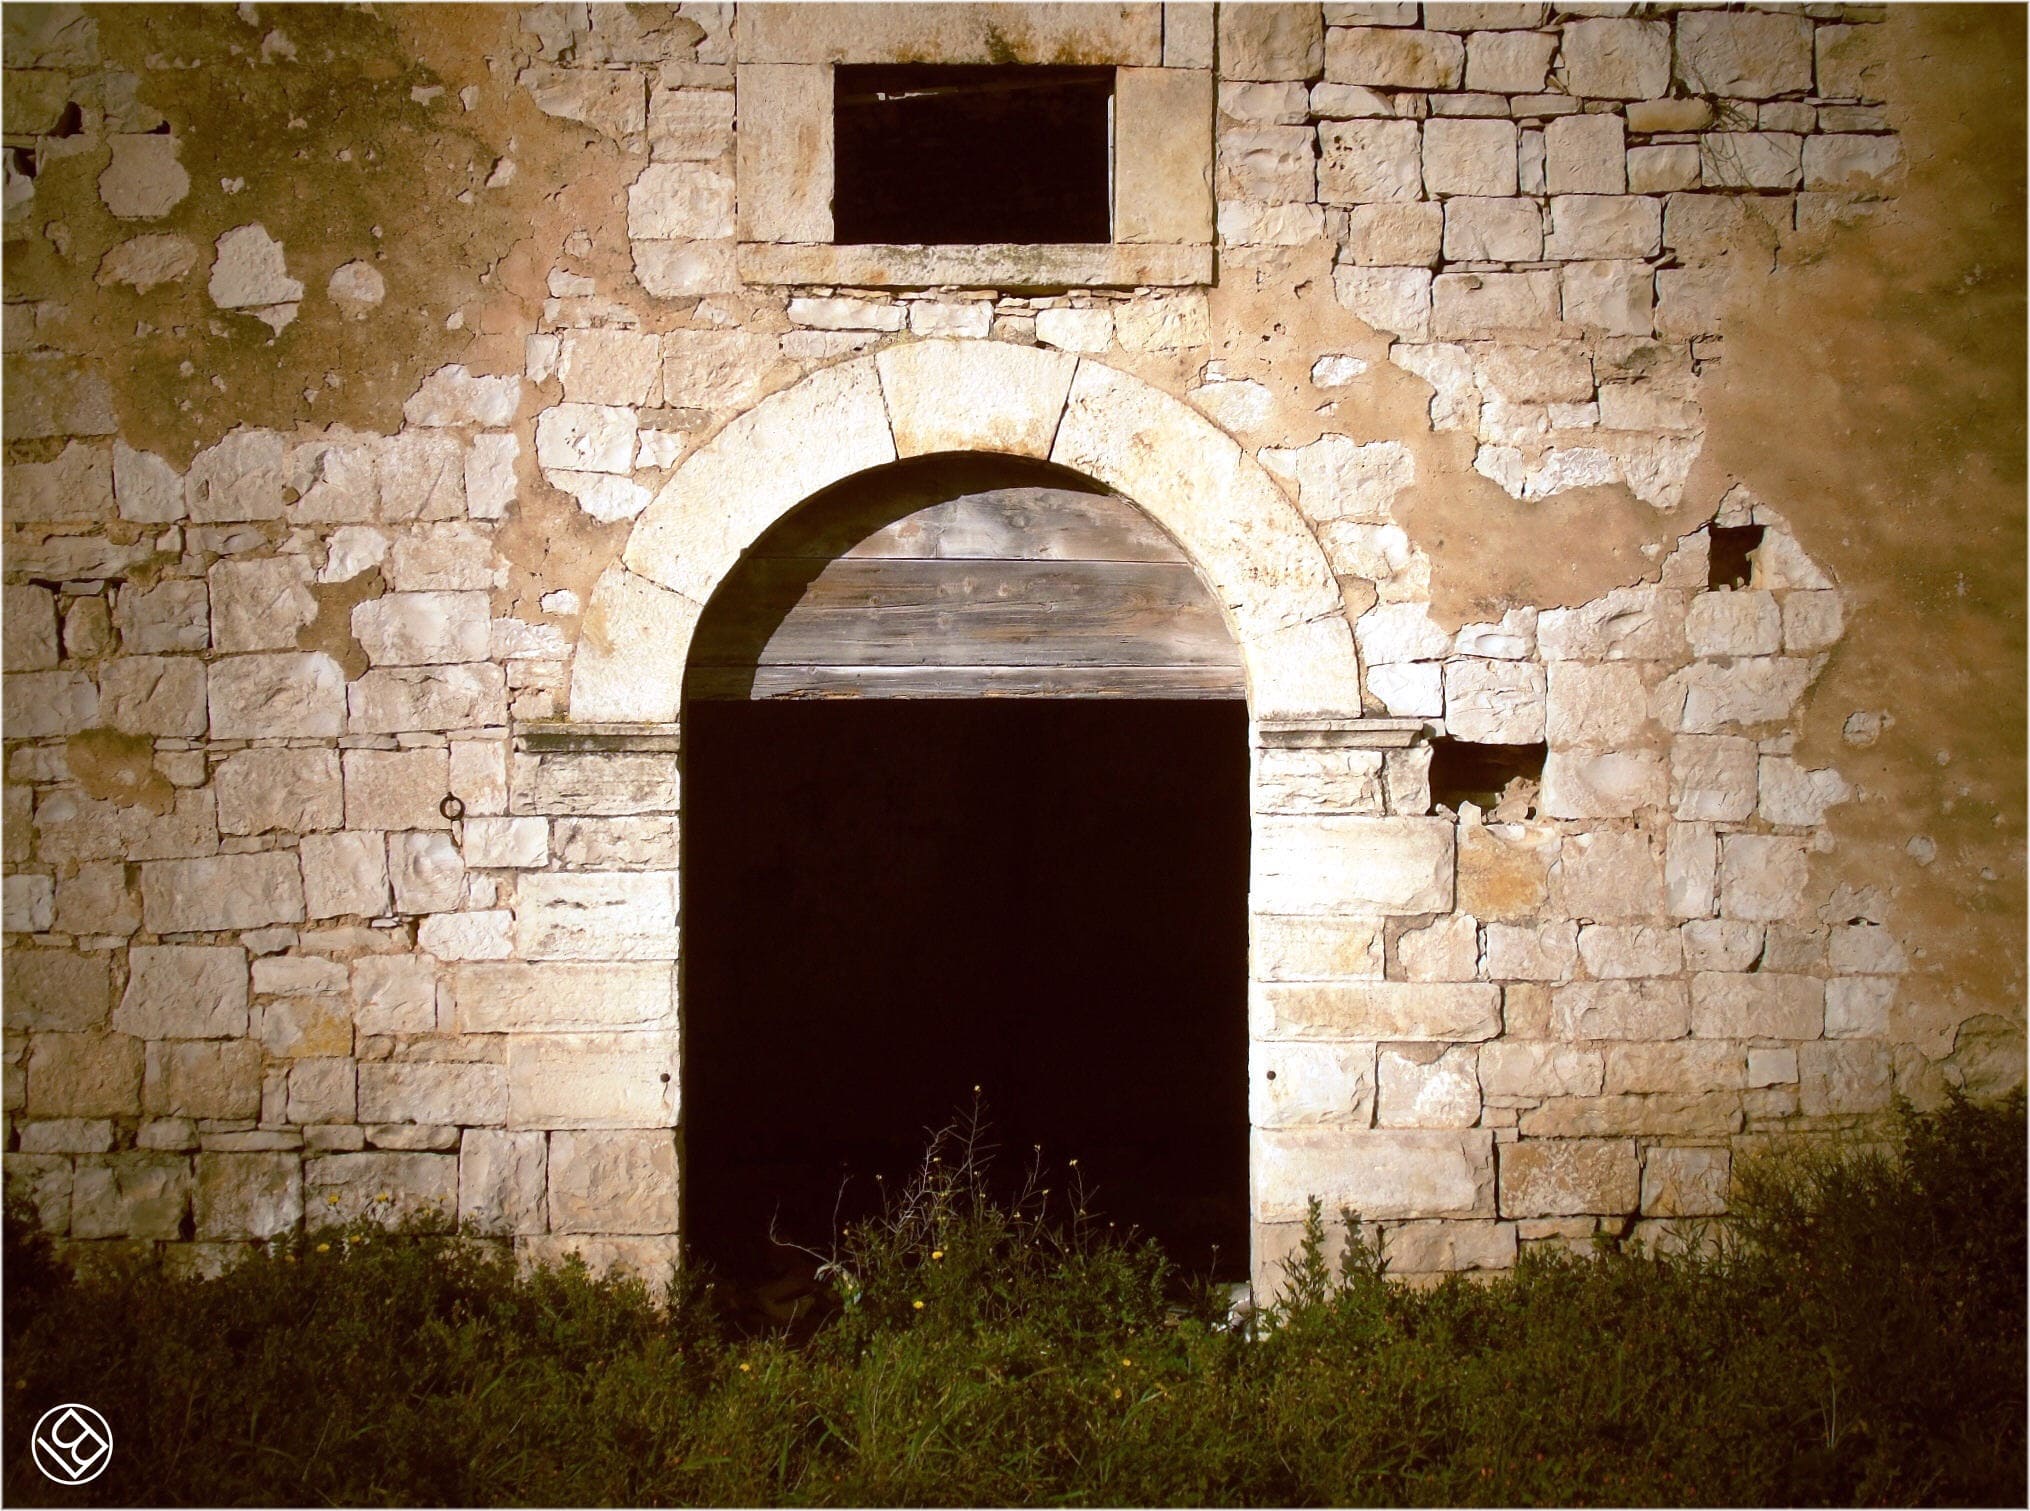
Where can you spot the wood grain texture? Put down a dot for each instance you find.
(920, 582)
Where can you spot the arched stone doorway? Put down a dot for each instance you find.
(1340, 835)
(966, 771)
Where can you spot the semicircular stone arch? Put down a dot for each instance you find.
(1241, 532)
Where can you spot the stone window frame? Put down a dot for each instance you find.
(1162, 213)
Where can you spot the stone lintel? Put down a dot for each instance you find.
(1053, 265)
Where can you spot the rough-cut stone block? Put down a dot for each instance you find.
(381, 1185)
(1508, 62)
(299, 695)
(502, 1181)
(55, 989)
(612, 367)
(1318, 781)
(202, 1079)
(240, 478)
(1602, 783)
(1525, 1070)
(401, 700)
(596, 916)
(30, 628)
(139, 1196)
(1422, 1011)
(1622, 951)
(1404, 235)
(1751, 160)
(785, 155)
(1641, 1009)
(222, 892)
(294, 791)
(1294, 1085)
(345, 874)
(1843, 1077)
(1607, 877)
(1389, 58)
(1445, 950)
(1379, 1173)
(44, 1182)
(436, 1092)
(184, 992)
(1762, 876)
(394, 994)
(1354, 865)
(247, 1195)
(1686, 1182)
(1853, 61)
(1705, 1115)
(1504, 869)
(1601, 705)
(507, 843)
(41, 704)
(323, 1091)
(1369, 162)
(1394, 300)
(1531, 952)
(613, 1181)
(481, 935)
(1585, 154)
(1617, 59)
(1427, 1086)
(1163, 156)
(1493, 230)
(1713, 777)
(1745, 56)
(562, 996)
(1468, 306)
(1604, 226)
(260, 605)
(593, 1080)
(961, 396)
(1667, 1067)
(83, 1075)
(154, 695)
(1314, 949)
(417, 629)
(1569, 1178)
(1465, 156)
(1760, 1005)
(427, 872)
(304, 1027)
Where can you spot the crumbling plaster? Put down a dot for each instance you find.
(405, 387)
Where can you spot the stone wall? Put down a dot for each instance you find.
(342, 757)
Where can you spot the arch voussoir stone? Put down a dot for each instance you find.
(1238, 527)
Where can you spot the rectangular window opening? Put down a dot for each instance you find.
(972, 155)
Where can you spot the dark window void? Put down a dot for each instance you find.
(890, 903)
(928, 154)
(1484, 775)
(1730, 555)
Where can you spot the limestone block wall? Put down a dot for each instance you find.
(343, 760)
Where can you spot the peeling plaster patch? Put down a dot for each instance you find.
(144, 180)
(147, 261)
(356, 288)
(249, 274)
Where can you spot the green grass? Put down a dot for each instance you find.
(1858, 1340)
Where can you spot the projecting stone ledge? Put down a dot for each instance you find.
(1069, 264)
(560, 735)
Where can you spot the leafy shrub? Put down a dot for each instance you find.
(1857, 1339)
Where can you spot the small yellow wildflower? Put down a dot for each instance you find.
(1117, 1392)
(937, 1253)
(331, 1198)
(1127, 1364)
(746, 1368)
(324, 1248)
(383, 1196)
(918, 1305)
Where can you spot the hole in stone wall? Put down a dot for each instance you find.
(1730, 554)
(942, 154)
(890, 902)
(1492, 777)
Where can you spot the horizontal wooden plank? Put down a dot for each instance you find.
(900, 612)
(920, 516)
(735, 684)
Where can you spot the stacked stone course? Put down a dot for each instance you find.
(305, 928)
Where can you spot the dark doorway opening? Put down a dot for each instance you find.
(929, 154)
(889, 903)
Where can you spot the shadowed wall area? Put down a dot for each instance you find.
(891, 903)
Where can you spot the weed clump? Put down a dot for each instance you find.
(1854, 1335)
